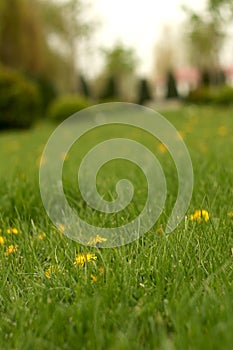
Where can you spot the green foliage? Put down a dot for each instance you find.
(47, 90)
(210, 95)
(65, 106)
(171, 86)
(144, 93)
(84, 87)
(26, 29)
(110, 91)
(205, 36)
(19, 100)
(120, 60)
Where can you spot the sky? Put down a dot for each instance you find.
(135, 23)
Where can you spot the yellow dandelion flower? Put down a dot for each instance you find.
(93, 278)
(101, 270)
(14, 230)
(80, 259)
(8, 231)
(51, 270)
(11, 249)
(162, 148)
(2, 241)
(91, 257)
(222, 131)
(159, 230)
(97, 239)
(200, 215)
(230, 214)
(41, 236)
(61, 228)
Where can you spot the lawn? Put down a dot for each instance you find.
(163, 291)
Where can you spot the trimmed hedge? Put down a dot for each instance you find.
(19, 100)
(65, 106)
(210, 95)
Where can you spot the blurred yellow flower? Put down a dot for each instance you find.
(222, 130)
(200, 215)
(61, 227)
(101, 270)
(91, 257)
(82, 258)
(93, 278)
(2, 240)
(12, 230)
(11, 249)
(95, 240)
(230, 214)
(41, 236)
(162, 148)
(51, 270)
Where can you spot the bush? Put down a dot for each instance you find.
(47, 90)
(65, 106)
(19, 100)
(216, 96)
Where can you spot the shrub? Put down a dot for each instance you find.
(65, 106)
(216, 96)
(19, 100)
(225, 96)
(47, 90)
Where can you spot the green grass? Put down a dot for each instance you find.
(160, 292)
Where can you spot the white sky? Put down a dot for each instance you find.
(136, 23)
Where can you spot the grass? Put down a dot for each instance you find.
(160, 292)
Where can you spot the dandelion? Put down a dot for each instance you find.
(41, 236)
(14, 230)
(222, 131)
(82, 258)
(2, 241)
(159, 230)
(162, 148)
(61, 228)
(230, 214)
(93, 278)
(200, 215)
(11, 249)
(51, 270)
(101, 270)
(96, 240)
(91, 257)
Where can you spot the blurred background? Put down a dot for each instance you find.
(59, 56)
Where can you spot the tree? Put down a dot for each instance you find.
(167, 57)
(171, 86)
(40, 37)
(222, 8)
(83, 86)
(120, 65)
(144, 93)
(110, 90)
(205, 38)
